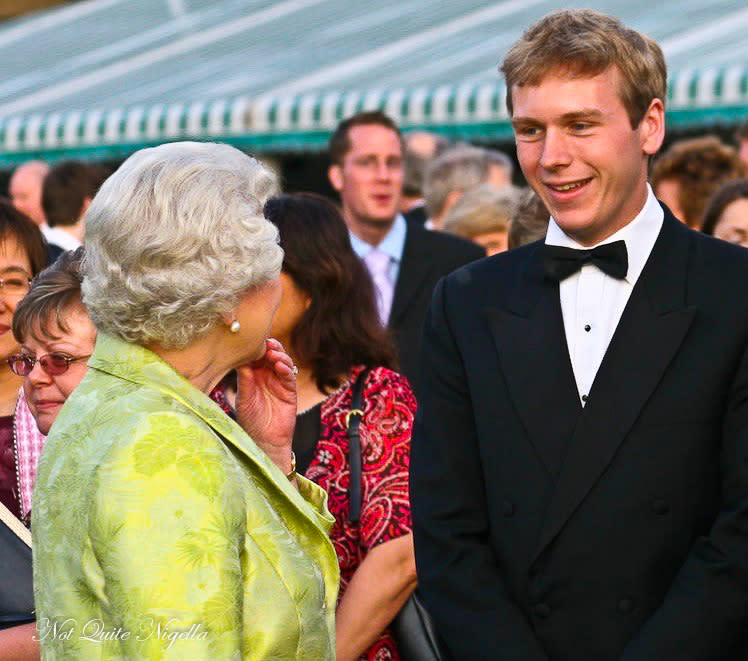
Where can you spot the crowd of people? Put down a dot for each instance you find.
(209, 388)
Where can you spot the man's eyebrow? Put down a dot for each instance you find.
(591, 113)
(584, 113)
(520, 121)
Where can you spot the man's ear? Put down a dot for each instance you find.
(335, 175)
(652, 127)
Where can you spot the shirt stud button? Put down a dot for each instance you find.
(584, 398)
(587, 327)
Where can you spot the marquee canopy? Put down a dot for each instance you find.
(100, 78)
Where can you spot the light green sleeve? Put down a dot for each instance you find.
(166, 534)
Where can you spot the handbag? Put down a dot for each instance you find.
(413, 629)
(16, 587)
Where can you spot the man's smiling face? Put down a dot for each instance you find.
(577, 149)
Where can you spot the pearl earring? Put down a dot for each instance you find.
(235, 326)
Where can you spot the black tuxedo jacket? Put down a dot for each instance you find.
(427, 256)
(619, 531)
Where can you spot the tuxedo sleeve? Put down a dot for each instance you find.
(705, 612)
(458, 576)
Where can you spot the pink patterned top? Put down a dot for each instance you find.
(385, 430)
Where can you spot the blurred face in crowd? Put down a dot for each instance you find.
(493, 242)
(15, 271)
(668, 192)
(732, 225)
(45, 392)
(743, 152)
(498, 176)
(370, 178)
(577, 150)
(25, 190)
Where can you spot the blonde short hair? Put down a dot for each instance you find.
(585, 43)
(481, 210)
(174, 238)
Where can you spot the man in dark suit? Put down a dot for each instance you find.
(579, 472)
(405, 260)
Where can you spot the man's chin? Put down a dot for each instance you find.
(379, 220)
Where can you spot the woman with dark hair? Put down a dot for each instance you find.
(726, 214)
(23, 254)
(329, 324)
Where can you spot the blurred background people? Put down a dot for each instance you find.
(328, 322)
(686, 175)
(151, 504)
(25, 189)
(726, 215)
(458, 170)
(68, 189)
(404, 260)
(742, 138)
(483, 215)
(22, 255)
(530, 220)
(421, 147)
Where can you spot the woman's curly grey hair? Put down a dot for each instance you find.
(174, 239)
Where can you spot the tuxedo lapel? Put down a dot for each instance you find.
(530, 339)
(414, 269)
(647, 338)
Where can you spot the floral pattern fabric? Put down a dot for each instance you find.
(161, 531)
(385, 430)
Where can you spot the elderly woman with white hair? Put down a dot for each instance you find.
(163, 529)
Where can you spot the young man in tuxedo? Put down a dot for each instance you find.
(404, 259)
(579, 472)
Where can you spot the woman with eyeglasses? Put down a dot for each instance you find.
(56, 336)
(23, 254)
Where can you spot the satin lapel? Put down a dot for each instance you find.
(647, 338)
(414, 268)
(534, 357)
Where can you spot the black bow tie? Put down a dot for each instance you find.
(610, 258)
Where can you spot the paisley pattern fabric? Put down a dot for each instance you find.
(385, 430)
(161, 531)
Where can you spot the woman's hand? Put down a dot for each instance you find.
(266, 403)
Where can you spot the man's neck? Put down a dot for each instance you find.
(372, 232)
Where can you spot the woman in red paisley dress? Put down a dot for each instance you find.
(328, 323)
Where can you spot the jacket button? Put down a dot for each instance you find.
(542, 610)
(625, 605)
(507, 508)
(660, 506)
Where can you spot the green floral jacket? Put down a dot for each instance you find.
(161, 531)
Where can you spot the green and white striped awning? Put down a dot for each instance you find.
(116, 75)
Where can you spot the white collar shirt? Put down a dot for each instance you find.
(61, 238)
(592, 302)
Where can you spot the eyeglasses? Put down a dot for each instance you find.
(53, 364)
(14, 286)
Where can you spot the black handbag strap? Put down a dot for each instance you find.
(353, 420)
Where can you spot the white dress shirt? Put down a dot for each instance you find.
(393, 244)
(61, 238)
(592, 302)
